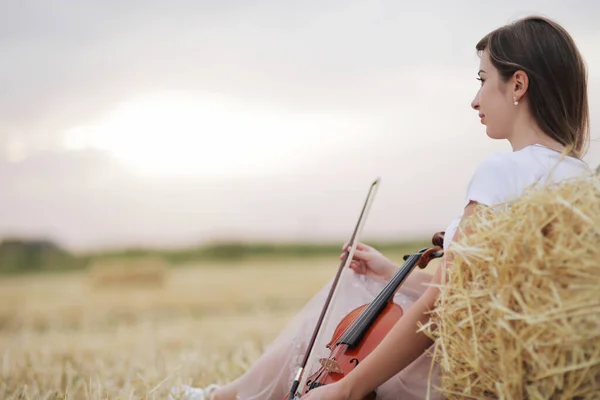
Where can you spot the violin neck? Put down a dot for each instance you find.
(399, 277)
(361, 325)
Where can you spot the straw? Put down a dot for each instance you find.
(519, 315)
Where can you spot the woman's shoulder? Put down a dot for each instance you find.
(498, 167)
(502, 176)
(499, 163)
(493, 179)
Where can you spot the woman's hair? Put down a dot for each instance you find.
(557, 76)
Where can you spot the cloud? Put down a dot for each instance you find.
(65, 63)
(86, 199)
(405, 68)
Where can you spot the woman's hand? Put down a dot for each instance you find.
(370, 262)
(333, 391)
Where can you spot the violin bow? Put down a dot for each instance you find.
(346, 260)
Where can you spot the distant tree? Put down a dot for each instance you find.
(31, 255)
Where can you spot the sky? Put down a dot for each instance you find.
(146, 123)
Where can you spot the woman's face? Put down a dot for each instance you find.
(494, 101)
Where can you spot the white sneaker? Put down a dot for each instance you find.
(186, 392)
(210, 389)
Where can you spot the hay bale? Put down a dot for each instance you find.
(139, 271)
(519, 316)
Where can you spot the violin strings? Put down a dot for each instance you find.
(365, 315)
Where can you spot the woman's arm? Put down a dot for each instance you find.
(403, 344)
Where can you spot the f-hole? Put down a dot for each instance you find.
(308, 383)
(354, 361)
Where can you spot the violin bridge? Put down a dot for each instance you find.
(331, 366)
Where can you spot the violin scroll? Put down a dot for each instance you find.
(435, 252)
(438, 239)
(428, 255)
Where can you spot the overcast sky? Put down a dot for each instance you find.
(169, 123)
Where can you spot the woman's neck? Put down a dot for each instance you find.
(527, 133)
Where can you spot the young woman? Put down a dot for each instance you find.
(533, 94)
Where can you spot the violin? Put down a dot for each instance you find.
(361, 330)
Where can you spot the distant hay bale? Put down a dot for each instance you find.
(140, 271)
(519, 316)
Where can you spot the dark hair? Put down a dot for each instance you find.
(557, 76)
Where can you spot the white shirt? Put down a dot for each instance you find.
(504, 176)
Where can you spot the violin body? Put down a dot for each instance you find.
(343, 358)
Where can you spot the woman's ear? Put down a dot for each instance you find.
(520, 84)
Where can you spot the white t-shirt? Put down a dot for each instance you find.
(504, 176)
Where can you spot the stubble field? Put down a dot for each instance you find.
(61, 336)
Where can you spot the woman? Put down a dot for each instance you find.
(534, 94)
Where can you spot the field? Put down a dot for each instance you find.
(61, 336)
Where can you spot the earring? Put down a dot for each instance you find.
(515, 101)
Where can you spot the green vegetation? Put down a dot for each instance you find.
(28, 256)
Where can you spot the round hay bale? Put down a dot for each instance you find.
(519, 314)
(139, 271)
